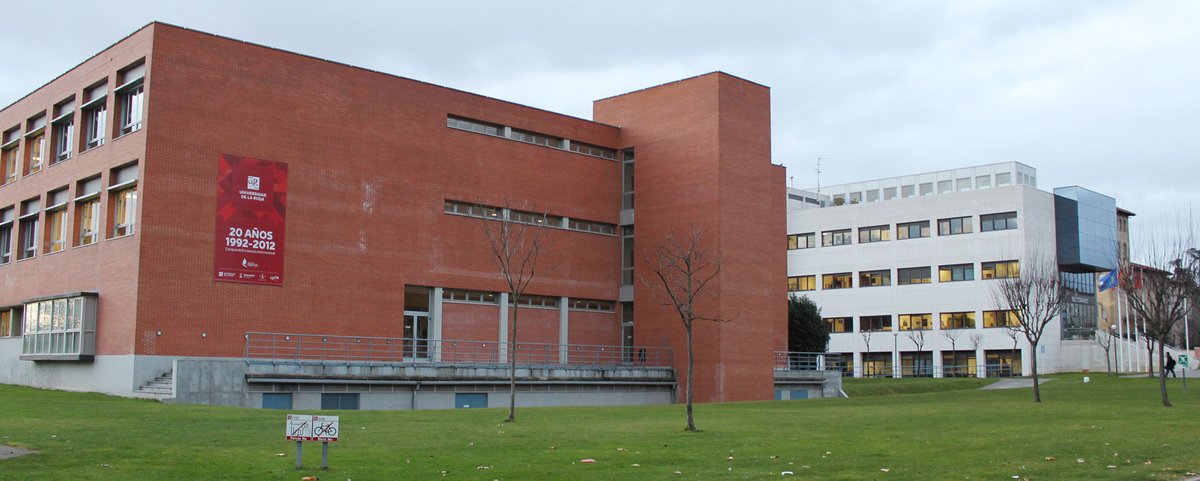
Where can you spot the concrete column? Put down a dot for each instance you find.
(435, 324)
(938, 370)
(858, 364)
(502, 339)
(563, 332)
(980, 363)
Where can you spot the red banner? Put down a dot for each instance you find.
(251, 206)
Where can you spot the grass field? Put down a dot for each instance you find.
(1108, 429)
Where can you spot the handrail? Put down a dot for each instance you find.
(289, 347)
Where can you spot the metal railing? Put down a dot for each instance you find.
(820, 361)
(807, 361)
(364, 349)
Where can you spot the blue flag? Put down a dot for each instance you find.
(1109, 281)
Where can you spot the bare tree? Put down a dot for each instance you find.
(1158, 294)
(683, 267)
(1106, 342)
(952, 336)
(917, 336)
(1015, 334)
(1035, 296)
(866, 335)
(976, 339)
(515, 238)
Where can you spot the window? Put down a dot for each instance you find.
(875, 323)
(277, 400)
(875, 278)
(56, 221)
(535, 138)
(889, 193)
(877, 233)
(926, 188)
(63, 127)
(840, 324)
(590, 305)
(912, 230)
(472, 210)
(593, 150)
(1002, 362)
(913, 275)
(346, 401)
(130, 99)
(95, 116)
(954, 225)
(35, 145)
(10, 322)
(1003, 179)
(983, 182)
(1001, 269)
(956, 273)
(531, 300)
(1000, 319)
(627, 256)
(6, 234)
(474, 126)
(1002, 221)
(9, 157)
(593, 227)
(873, 195)
(945, 186)
(30, 210)
(958, 320)
(837, 281)
(533, 218)
(627, 178)
(124, 211)
(87, 211)
(916, 322)
(907, 191)
(835, 238)
(963, 184)
(60, 328)
(802, 283)
(802, 241)
(464, 295)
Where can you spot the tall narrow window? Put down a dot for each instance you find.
(130, 96)
(63, 127)
(9, 157)
(627, 182)
(123, 197)
(35, 144)
(6, 233)
(627, 256)
(56, 221)
(30, 210)
(95, 116)
(87, 211)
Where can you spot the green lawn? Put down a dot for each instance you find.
(951, 432)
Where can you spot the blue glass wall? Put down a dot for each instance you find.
(1086, 225)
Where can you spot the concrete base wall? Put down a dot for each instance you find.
(815, 384)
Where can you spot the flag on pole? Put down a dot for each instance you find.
(1109, 281)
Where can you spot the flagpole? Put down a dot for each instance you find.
(1120, 332)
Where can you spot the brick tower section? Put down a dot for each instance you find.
(703, 148)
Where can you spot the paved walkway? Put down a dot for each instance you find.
(1015, 383)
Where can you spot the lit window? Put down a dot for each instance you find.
(913, 275)
(842, 280)
(958, 320)
(836, 238)
(9, 157)
(802, 283)
(878, 233)
(954, 225)
(1000, 269)
(123, 198)
(802, 241)
(87, 211)
(912, 230)
(1000, 319)
(840, 324)
(35, 145)
(956, 273)
(875, 278)
(875, 323)
(916, 322)
(1002, 221)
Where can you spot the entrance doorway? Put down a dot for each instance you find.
(416, 335)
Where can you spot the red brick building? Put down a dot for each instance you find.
(110, 251)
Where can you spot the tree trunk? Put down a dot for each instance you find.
(691, 422)
(1150, 358)
(1037, 390)
(1162, 378)
(512, 366)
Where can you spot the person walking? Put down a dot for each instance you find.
(1170, 366)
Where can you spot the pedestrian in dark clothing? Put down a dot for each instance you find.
(1170, 367)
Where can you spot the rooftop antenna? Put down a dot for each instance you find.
(792, 181)
(819, 201)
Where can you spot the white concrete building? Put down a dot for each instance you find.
(901, 269)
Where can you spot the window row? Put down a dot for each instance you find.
(907, 230)
(28, 227)
(58, 326)
(922, 321)
(907, 276)
(961, 184)
(524, 217)
(551, 141)
(528, 300)
(50, 137)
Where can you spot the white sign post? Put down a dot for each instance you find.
(304, 427)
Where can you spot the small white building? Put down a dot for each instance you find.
(902, 267)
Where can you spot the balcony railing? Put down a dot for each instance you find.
(807, 361)
(285, 347)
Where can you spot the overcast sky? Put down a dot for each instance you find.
(1102, 94)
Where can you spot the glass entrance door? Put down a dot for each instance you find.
(416, 335)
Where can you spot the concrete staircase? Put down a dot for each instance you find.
(162, 387)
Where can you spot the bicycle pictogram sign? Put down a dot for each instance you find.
(303, 427)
